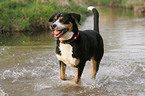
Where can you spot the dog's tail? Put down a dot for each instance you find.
(96, 18)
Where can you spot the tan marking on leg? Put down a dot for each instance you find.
(77, 79)
(62, 71)
(94, 65)
(77, 62)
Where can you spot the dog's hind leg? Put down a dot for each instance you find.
(62, 70)
(94, 67)
(95, 62)
(79, 71)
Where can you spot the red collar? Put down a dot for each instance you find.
(70, 40)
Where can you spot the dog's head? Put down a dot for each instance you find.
(63, 23)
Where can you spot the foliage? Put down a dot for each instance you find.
(21, 15)
(126, 2)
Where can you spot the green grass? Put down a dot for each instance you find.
(21, 15)
(122, 2)
(33, 15)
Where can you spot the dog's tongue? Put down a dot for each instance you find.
(56, 33)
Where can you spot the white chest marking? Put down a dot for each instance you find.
(66, 54)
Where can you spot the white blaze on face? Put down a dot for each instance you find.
(59, 25)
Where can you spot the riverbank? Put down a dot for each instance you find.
(137, 5)
(31, 16)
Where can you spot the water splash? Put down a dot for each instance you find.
(2, 93)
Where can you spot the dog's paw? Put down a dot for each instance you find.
(76, 81)
(63, 78)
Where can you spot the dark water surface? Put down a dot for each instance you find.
(28, 66)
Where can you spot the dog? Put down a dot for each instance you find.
(75, 47)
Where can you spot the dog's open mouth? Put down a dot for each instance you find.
(59, 33)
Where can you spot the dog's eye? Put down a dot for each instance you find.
(64, 20)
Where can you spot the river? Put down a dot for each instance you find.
(28, 66)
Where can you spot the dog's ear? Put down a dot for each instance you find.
(75, 16)
(52, 17)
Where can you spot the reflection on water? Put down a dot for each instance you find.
(40, 39)
(28, 66)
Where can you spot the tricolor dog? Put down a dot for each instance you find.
(75, 47)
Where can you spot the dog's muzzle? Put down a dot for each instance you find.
(58, 33)
(53, 27)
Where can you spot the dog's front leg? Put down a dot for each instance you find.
(62, 70)
(79, 71)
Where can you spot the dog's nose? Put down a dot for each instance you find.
(53, 26)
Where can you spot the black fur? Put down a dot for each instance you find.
(89, 43)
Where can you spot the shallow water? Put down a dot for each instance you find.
(28, 66)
